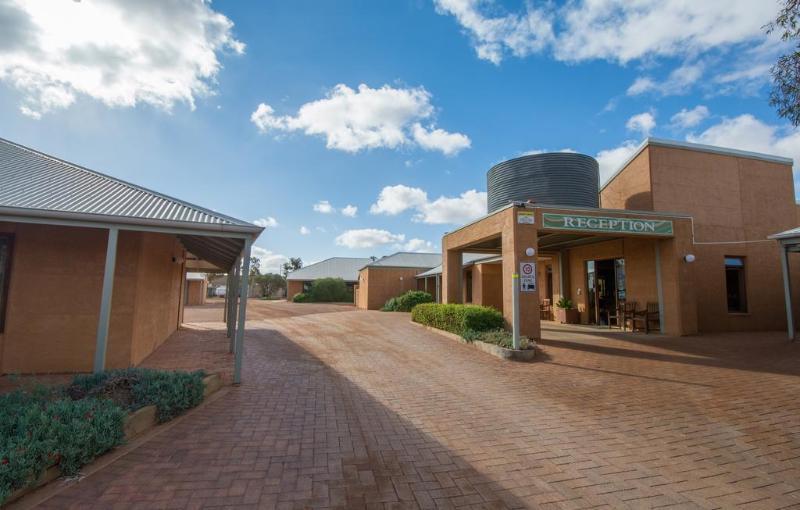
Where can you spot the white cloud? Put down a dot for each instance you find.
(324, 207)
(268, 222)
(350, 211)
(393, 200)
(270, 262)
(611, 160)
(304, 230)
(533, 152)
(354, 120)
(614, 30)
(679, 81)
(520, 34)
(438, 139)
(746, 132)
(118, 52)
(690, 118)
(418, 245)
(368, 238)
(642, 122)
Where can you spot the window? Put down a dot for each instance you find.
(735, 285)
(6, 244)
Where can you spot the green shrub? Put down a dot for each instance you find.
(457, 318)
(390, 306)
(300, 297)
(565, 303)
(172, 392)
(329, 290)
(406, 302)
(38, 431)
(499, 337)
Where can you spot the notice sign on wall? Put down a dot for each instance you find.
(527, 276)
(607, 224)
(526, 217)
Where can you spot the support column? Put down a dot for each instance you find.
(787, 291)
(659, 289)
(452, 275)
(234, 302)
(438, 279)
(226, 308)
(516, 239)
(245, 282)
(105, 301)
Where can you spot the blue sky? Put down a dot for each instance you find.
(394, 108)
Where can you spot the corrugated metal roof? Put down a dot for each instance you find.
(408, 259)
(30, 179)
(466, 259)
(345, 268)
(795, 232)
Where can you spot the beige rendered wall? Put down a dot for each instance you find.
(158, 293)
(732, 199)
(378, 284)
(54, 299)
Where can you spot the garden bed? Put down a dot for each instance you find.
(49, 432)
(527, 354)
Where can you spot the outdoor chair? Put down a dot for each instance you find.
(546, 310)
(623, 314)
(647, 317)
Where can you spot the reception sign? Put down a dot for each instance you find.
(604, 224)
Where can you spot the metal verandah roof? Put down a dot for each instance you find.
(37, 185)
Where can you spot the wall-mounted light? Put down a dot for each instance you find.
(689, 257)
(178, 260)
(530, 252)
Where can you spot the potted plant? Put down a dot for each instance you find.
(566, 313)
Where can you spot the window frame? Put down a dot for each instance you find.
(741, 268)
(6, 280)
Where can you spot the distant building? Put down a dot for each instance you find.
(196, 289)
(345, 268)
(390, 276)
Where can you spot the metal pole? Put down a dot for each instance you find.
(561, 291)
(787, 292)
(239, 350)
(438, 287)
(515, 308)
(659, 289)
(226, 308)
(105, 301)
(234, 292)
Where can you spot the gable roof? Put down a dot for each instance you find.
(345, 268)
(466, 260)
(408, 259)
(34, 180)
(39, 188)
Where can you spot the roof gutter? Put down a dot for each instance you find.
(24, 215)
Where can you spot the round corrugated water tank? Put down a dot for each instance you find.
(550, 178)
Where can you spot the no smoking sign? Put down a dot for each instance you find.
(527, 276)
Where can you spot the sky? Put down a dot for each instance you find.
(359, 128)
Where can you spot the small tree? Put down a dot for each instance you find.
(328, 290)
(255, 266)
(294, 264)
(785, 94)
(270, 283)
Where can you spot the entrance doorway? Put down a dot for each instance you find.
(605, 285)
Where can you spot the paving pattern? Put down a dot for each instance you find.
(351, 409)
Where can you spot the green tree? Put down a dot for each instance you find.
(294, 264)
(270, 283)
(785, 94)
(255, 266)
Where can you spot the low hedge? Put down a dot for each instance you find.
(498, 337)
(38, 431)
(456, 318)
(68, 426)
(300, 297)
(406, 302)
(171, 392)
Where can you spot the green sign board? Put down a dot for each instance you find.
(606, 224)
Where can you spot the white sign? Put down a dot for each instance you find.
(527, 277)
(526, 217)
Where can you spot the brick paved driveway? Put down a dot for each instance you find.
(363, 409)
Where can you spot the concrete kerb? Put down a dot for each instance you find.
(494, 350)
(140, 426)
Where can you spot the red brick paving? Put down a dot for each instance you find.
(356, 409)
